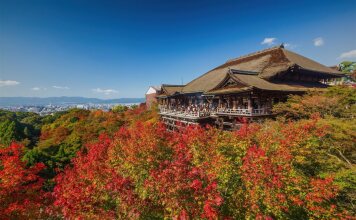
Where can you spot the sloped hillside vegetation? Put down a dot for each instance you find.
(123, 164)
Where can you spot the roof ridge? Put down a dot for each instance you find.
(168, 85)
(255, 53)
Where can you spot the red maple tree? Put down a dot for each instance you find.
(21, 194)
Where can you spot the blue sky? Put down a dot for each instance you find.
(111, 49)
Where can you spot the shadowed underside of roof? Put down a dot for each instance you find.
(268, 63)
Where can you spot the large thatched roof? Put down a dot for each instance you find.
(267, 64)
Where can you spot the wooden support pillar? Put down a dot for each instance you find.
(270, 104)
(239, 102)
(249, 104)
(234, 103)
(220, 102)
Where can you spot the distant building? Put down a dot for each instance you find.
(348, 79)
(151, 95)
(241, 89)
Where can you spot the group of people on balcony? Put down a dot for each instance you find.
(201, 109)
(193, 109)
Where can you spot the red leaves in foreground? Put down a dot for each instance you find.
(266, 178)
(106, 181)
(21, 194)
(182, 188)
(321, 191)
(145, 172)
(93, 189)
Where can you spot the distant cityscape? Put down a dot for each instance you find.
(51, 109)
(50, 105)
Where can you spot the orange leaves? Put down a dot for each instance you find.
(144, 166)
(181, 187)
(320, 193)
(147, 172)
(265, 178)
(273, 173)
(138, 149)
(91, 188)
(336, 101)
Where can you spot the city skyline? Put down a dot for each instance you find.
(117, 49)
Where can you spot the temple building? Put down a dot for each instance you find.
(244, 88)
(151, 95)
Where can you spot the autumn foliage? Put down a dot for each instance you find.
(124, 164)
(146, 172)
(21, 194)
(93, 189)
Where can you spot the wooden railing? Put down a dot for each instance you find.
(192, 114)
(218, 111)
(243, 111)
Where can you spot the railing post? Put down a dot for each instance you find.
(249, 105)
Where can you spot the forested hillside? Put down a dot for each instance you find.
(123, 164)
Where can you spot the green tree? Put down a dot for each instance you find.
(8, 132)
(119, 109)
(349, 68)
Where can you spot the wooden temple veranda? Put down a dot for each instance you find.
(244, 88)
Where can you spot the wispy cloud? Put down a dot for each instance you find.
(38, 89)
(269, 41)
(105, 91)
(348, 55)
(60, 87)
(8, 83)
(318, 42)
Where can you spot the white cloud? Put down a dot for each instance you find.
(269, 41)
(8, 83)
(105, 91)
(348, 55)
(60, 87)
(38, 89)
(318, 42)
